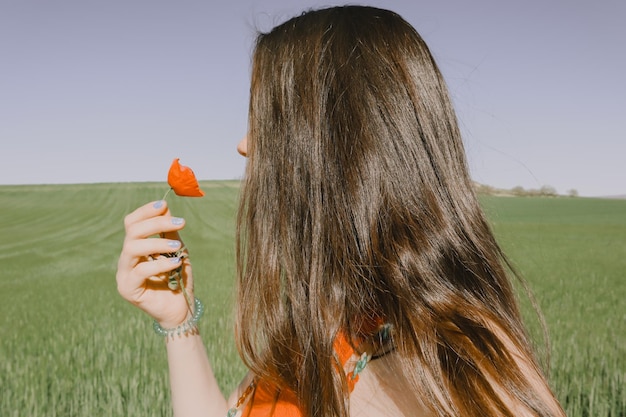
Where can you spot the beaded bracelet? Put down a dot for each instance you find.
(187, 327)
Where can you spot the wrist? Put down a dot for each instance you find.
(189, 326)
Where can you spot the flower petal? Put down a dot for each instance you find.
(183, 181)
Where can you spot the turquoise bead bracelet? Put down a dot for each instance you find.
(185, 328)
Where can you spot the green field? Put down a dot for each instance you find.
(70, 346)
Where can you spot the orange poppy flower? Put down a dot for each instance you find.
(183, 181)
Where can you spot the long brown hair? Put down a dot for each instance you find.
(356, 204)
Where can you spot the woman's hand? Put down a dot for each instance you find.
(142, 272)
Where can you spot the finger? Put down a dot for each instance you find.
(159, 266)
(132, 284)
(158, 283)
(157, 276)
(154, 226)
(135, 250)
(173, 235)
(152, 209)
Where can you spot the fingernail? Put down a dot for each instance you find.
(158, 204)
(174, 260)
(177, 221)
(173, 243)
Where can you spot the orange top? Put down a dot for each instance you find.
(268, 401)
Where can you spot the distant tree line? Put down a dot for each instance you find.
(519, 191)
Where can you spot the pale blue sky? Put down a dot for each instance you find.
(113, 90)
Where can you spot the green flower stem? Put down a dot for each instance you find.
(179, 275)
(167, 193)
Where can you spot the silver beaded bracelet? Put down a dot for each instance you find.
(187, 327)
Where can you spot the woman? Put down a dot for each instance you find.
(369, 282)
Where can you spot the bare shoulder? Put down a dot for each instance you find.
(382, 390)
(241, 388)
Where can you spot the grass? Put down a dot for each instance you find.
(573, 254)
(70, 346)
